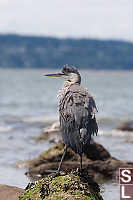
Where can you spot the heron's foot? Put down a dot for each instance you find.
(79, 170)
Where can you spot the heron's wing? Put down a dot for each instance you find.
(77, 115)
(86, 109)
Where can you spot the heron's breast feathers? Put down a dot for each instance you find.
(64, 89)
(76, 103)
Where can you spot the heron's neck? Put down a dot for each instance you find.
(75, 78)
(67, 84)
(65, 87)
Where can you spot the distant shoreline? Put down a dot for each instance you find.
(18, 51)
(59, 68)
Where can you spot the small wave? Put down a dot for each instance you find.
(6, 128)
(27, 119)
(105, 120)
(116, 133)
(39, 119)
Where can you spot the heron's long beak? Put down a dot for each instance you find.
(55, 75)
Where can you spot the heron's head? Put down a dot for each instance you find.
(69, 73)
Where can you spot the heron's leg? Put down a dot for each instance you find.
(65, 150)
(81, 162)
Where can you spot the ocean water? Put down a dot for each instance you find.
(28, 103)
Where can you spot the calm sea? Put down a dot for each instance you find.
(28, 103)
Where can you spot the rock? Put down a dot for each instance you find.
(126, 126)
(96, 151)
(52, 133)
(67, 186)
(10, 192)
(97, 162)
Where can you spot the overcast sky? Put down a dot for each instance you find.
(68, 18)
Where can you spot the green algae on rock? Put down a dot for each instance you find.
(69, 186)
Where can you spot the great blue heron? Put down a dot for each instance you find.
(77, 110)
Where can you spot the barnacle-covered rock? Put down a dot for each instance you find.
(68, 186)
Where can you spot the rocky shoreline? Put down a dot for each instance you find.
(97, 163)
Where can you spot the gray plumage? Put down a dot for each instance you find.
(77, 109)
(77, 113)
